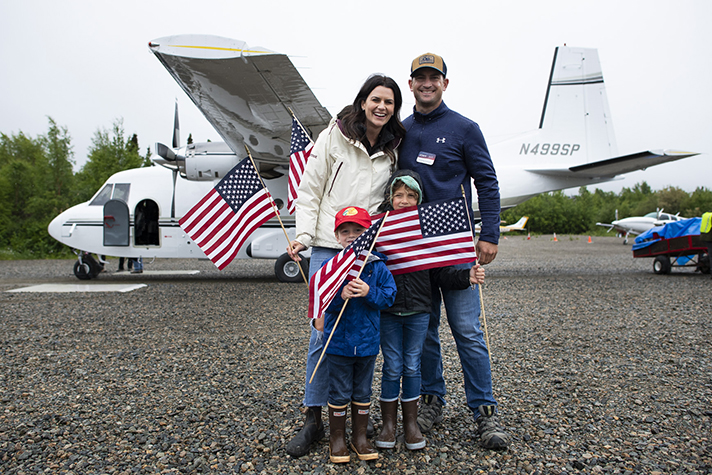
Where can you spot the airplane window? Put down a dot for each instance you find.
(103, 196)
(121, 192)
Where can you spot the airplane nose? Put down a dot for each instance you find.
(55, 227)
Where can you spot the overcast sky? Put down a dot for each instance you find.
(86, 63)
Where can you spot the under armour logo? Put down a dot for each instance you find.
(440, 140)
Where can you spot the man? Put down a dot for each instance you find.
(448, 150)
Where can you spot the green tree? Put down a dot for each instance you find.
(110, 153)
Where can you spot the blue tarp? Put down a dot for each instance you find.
(686, 227)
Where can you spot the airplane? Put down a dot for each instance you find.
(639, 224)
(247, 94)
(518, 226)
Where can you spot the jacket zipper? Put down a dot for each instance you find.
(335, 175)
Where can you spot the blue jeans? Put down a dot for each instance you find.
(316, 393)
(402, 340)
(463, 315)
(350, 378)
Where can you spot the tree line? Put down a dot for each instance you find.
(556, 212)
(38, 181)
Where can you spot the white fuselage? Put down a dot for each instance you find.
(82, 227)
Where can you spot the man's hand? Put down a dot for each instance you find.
(293, 250)
(486, 252)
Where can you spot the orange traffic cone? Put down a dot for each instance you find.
(555, 240)
(589, 240)
(529, 236)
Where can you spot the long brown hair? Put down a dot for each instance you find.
(353, 121)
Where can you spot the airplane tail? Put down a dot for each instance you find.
(576, 120)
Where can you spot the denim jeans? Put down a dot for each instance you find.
(350, 378)
(463, 315)
(402, 340)
(316, 393)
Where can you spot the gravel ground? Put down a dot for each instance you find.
(599, 366)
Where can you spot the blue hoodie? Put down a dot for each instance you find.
(458, 152)
(358, 333)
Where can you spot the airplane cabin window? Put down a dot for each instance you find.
(121, 192)
(103, 196)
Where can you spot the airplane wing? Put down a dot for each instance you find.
(244, 92)
(616, 166)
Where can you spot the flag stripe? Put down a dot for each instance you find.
(299, 150)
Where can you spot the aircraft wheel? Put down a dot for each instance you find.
(82, 271)
(287, 270)
(661, 265)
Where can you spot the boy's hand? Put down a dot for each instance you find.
(477, 274)
(355, 288)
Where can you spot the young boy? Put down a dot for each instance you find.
(351, 354)
(405, 323)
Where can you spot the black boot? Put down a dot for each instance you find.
(312, 431)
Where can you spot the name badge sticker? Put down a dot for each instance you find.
(426, 158)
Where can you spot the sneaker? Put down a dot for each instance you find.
(430, 412)
(492, 435)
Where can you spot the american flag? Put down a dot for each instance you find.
(435, 234)
(299, 150)
(229, 213)
(324, 284)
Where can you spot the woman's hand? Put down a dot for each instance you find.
(293, 250)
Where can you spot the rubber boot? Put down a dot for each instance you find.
(389, 413)
(338, 451)
(413, 438)
(312, 431)
(359, 424)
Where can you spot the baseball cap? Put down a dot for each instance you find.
(428, 60)
(352, 214)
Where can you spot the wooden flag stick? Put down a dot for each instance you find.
(346, 302)
(276, 212)
(482, 304)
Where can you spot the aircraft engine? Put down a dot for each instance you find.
(204, 161)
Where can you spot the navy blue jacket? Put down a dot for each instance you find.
(358, 333)
(460, 153)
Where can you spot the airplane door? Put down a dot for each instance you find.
(116, 223)
(146, 230)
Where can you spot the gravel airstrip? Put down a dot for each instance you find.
(599, 366)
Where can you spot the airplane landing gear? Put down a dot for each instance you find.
(287, 270)
(86, 266)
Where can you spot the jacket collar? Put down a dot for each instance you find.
(441, 110)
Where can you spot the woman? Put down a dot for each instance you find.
(350, 163)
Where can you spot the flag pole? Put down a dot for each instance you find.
(276, 211)
(346, 302)
(482, 304)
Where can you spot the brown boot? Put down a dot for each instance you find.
(413, 438)
(338, 452)
(389, 413)
(359, 423)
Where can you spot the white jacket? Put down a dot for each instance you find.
(339, 173)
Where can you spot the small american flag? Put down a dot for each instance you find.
(435, 234)
(229, 213)
(327, 281)
(299, 150)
